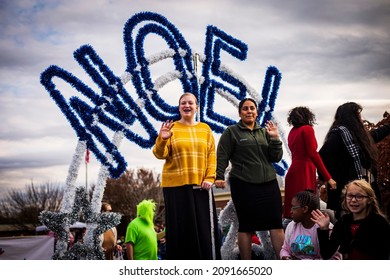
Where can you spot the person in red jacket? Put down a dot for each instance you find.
(302, 173)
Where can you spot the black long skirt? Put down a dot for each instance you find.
(258, 206)
(188, 227)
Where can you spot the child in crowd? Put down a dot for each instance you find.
(360, 234)
(301, 240)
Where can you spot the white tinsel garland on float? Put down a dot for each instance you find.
(116, 110)
(229, 249)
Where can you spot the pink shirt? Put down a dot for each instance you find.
(302, 243)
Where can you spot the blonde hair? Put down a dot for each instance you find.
(373, 205)
(190, 94)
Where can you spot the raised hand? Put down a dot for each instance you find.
(165, 130)
(321, 219)
(272, 129)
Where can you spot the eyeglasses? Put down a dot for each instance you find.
(358, 197)
(296, 207)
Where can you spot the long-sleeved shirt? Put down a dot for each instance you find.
(189, 155)
(251, 153)
(305, 162)
(302, 243)
(340, 163)
(366, 239)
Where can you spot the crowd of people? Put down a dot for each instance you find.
(352, 227)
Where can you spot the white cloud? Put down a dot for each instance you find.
(329, 52)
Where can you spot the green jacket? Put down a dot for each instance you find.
(251, 154)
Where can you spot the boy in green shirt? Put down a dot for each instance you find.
(141, 238)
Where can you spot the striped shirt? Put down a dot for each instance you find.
(189, 155)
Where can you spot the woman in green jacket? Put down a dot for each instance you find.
(255, 192)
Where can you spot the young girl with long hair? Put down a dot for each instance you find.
(362, 233)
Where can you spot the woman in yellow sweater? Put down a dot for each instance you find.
(188, 148)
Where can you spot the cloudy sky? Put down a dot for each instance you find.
(328, 51)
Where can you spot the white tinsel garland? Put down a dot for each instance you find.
(227, 96)
(73, 173)
(126, 77)
(106, 104)
(250, 90)
(166, 78)
(229, 249)
(228, 217)
(160, 56)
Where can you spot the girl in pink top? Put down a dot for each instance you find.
(301, 238)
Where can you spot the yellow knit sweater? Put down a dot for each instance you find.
(189, 155)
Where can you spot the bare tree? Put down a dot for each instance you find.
(22, 207)
(130, 189)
